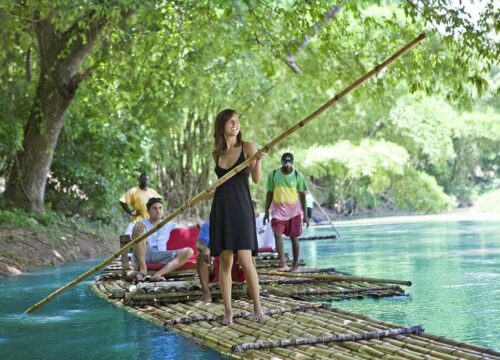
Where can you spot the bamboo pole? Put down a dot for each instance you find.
(309, 291)
(334, 277)
(240, 315)
(236, 170)
(326, 215)
(328, 339)
(317, 237)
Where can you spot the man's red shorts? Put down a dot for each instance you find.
(291, 227)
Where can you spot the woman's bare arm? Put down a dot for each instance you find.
(249, 150)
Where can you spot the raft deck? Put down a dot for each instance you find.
(293, 328)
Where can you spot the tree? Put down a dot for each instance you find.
(62, 48)
(173, 65)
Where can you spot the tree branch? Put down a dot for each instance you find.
(290, 60)
(69, 90)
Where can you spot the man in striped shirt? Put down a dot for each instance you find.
(286, 191)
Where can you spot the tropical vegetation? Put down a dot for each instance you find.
(95, 92)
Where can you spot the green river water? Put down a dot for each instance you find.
(454, 267)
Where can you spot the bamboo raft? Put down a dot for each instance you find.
(297, 326)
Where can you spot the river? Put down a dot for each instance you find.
(454, 267)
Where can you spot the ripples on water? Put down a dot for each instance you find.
(454, 268)
(78, 325)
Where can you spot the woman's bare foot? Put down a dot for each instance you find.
(259, 316)
(228, 317)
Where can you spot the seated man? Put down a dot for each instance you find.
(154, 248)
(204, 261)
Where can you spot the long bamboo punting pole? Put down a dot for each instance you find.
(236, 170)
(326, 215)
(335, 277)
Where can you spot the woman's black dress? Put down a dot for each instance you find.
(232, 219)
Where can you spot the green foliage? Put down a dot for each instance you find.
(488, 202)
(55, 223)
(160, 76)
(418, 191)
(365, 159)
(424, 127)
(373, 173)
(17, 218)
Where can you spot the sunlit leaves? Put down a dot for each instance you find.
(160, 76)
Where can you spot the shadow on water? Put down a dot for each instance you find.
(78, 325)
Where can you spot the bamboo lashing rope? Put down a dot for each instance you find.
(328, 339)
(235, 171)
(335, 277)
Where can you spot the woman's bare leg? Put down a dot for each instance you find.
(226, 283)
(246, 262)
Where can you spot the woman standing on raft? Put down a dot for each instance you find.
(232, 219)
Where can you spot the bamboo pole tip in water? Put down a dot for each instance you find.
(32, 308)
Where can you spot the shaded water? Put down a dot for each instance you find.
(454, 267)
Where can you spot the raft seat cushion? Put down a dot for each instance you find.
(237, 274)
(180, 238)
(266, 249)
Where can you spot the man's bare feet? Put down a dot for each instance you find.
(228, 317)
(283, 267)
(294, 268)
(206, 298)
(139, 277)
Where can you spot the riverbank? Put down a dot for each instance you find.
(27, 244)
(486, 208)
(33, 242)
(24, 250)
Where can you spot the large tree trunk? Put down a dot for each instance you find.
(26, 185)
(57, 84)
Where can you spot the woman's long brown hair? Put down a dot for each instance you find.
(220, 142)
